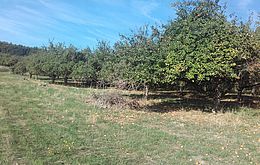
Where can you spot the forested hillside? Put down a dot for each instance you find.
(13, 49)
(10, 53)
(202, 49)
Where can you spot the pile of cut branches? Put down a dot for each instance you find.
(112, 100)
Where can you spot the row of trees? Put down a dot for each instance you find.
(200, 49)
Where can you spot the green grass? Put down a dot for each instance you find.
(54, 125)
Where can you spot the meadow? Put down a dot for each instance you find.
(43, 123)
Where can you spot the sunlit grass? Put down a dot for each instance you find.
(53, 125)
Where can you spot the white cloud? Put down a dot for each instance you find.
(66, 12)
(243, 4)
(146, 8)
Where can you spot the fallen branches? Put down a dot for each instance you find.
(112, 100)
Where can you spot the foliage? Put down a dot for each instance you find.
(8, 60)
(139, 57)
(19, 68)
(67, 60)
(98, 60)
(204, 48)
(248, 57)
(34, 63)
(202, 43)
(82, 71)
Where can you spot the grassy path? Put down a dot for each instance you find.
(53, 125)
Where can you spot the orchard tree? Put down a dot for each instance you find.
(8, 60)
(52, 60)
(248, 57)
(19, 68)
(68, 59)
(140, 52)
(34, 64)
(83, 72)
(100, 56)
(201, 47)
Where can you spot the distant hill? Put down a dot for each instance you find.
(17, 50)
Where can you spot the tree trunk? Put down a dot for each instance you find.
(146, 92)
(65, 80)
(239, 94)
(217, 99)
(30, 75)
(253, 92)
(217, 104)
(181, 87)
(52, 79)
(103, 84)
(181, 90)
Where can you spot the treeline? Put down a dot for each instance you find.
(10, 53)
(16, 50)
(201, 49)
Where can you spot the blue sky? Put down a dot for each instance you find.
(83, 22)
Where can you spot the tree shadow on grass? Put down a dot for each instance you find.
(179, 104)
(70, 83)
(247, 101)
(185, 101)
(174, 101)
(161, 95)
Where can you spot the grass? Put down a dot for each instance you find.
(54, 125)
(4, 69)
